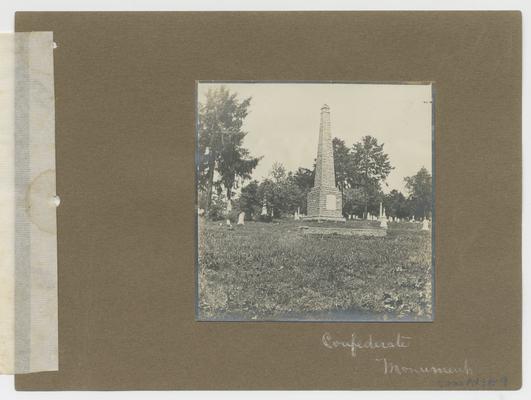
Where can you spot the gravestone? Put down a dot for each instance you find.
(324, 199)
(425, 225)
(241, 218)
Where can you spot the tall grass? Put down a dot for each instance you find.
(273, 271)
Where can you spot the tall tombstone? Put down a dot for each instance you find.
(264, 208)
(324, 199)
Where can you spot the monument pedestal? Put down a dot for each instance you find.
(325, 204)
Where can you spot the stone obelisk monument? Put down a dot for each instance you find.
(324, 199)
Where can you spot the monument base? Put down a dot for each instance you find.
(325, 204)
(318, 230)
(322, 218)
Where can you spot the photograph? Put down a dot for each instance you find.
(315, 201)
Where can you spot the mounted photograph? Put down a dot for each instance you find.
(314, 201)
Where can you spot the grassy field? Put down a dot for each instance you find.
(269, 271)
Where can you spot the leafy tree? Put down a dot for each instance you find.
(220, 143)
(396, 204)
(304, 179)
(342, 163)
(359, 202)
(249, 201)
(280, 191)
(419, 188)
(278, 172)
(371, 167)
(293, 196)
(354, 202)
(216, 211)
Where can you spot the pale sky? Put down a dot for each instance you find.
(283, 122)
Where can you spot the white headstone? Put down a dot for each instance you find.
(383, 216)
(425, 225)
(264, 209)
(241, 218)
(383, 223)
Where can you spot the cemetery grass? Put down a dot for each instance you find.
(272, 271)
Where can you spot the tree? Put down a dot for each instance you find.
(249, 201)
(304, 179)
(235, 162)
(292, 195)
(396, 204)
(278, 172)
(342, 163)
(354, 202)
(280, 192)
(220, 143)
(419, 188)
(371, 167)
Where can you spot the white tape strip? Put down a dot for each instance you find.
(7, 204)
(28, 240)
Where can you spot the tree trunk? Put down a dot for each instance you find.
(210, 182)
(229, 194)
(342, 199)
